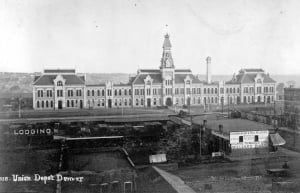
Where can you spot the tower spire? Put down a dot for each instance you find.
(167, 60)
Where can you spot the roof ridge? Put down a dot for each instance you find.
(133, 82)
(38, 79)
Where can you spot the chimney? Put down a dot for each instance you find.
(221, 128)
(208, 69)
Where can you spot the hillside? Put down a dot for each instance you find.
(22, 82)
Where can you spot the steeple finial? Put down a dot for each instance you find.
(167, 43)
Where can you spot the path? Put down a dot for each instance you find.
(176, 182)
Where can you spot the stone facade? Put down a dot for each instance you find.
(166, 86)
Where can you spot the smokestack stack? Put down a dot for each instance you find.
(208, 69)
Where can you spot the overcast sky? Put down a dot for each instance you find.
(124, 35)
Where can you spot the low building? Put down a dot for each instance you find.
(242, 137)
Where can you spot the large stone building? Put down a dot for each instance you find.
(166, 86)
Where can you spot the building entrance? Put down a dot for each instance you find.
(109, 103)
(59, 104)
(148, 102)
(169, 102)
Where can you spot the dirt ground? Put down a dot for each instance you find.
(243, 176)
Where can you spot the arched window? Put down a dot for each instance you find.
(47, 104)
(38, 104)
(216, 100)
(125, 102)
(216, 91)
(72, 103)
(125, 92)
(98, 92)
(59, 83)
(137, 102)
(93, 92)
(51, 103)
(204, 90)
(68, 103)
(116, 92)
(120, 92)
(88, 92)
(129, 91)
(142, 101)
(42, 104)
(212, 91)
(103, 92)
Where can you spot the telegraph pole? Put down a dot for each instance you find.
(20, 107)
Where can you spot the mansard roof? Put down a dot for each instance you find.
(149, 71)
(59, 71)
(71, 79)
(179, 78)
(183, 70)
(252, 70)
(245, 78)
(139, 79)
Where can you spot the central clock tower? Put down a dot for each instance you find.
(167, 60)
(167, 70)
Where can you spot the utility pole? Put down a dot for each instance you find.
(222, 104)
(228, 105)
(200, 136)
(122, 107)
(20, 107)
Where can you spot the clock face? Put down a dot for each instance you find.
(168, 63)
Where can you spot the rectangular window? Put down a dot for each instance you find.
(241, 139)
(127, 187)
(194, 90)
(188, 91)
(258, 90)
(115, 187)
(104, 188)
(256, 138)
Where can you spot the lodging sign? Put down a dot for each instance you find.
(33, 131)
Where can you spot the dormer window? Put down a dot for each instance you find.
(59, 83)
(148, 82)
(188, 82)
(258, 81)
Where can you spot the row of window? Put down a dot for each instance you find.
(258, 90)
(71, 93)
(241, 139)
(73, 103)
(44, 104)
(117, 92)
(49, 93)
(168, 91)
(40, 93)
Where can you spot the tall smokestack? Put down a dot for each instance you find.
(208, 69)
